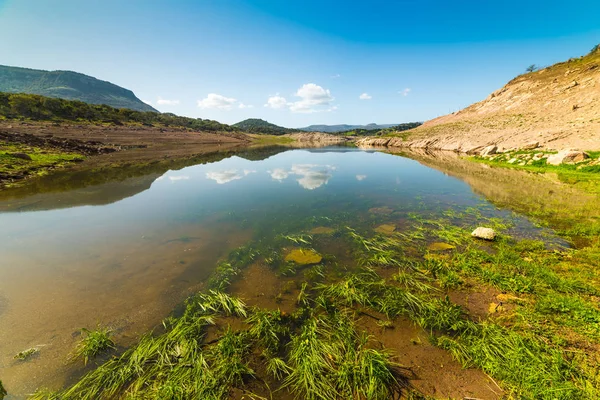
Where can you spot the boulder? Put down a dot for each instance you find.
(22, 156)
(488, 151)
(530, 146)
(386, 229)
(484, 233)
(567, 157)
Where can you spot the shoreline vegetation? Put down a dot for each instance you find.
(538, 338)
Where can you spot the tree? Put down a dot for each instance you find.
(532, 68)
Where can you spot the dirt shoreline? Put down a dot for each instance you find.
(107, 146)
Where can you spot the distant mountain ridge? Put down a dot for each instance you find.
(344, 127)
(256, 125)
(68, 85)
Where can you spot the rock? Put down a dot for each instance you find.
(488, 151)
(495, 308)
(567, 157)
(385, 210)
(439, 246)
(386, 229)
(303, 256)
(513, 160)
(22, 156)
(531, 146)
(484, 233)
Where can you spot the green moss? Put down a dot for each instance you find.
(303, 256)
(22, 160)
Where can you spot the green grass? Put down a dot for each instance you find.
(41, 162)
(94, 343)
(3, 392)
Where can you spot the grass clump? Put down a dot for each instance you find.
(94, 343)
(26, 354)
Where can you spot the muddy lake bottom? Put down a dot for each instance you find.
(89, 257)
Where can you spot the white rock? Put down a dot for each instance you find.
(489, 150)
(567, 157)
(484, 233)
(531, 146)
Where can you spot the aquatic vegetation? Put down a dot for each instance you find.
(322, 230)
(539, 344)
(93, 343)
(299, 239)
(3, 392)
(26, 354)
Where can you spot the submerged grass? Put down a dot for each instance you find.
(93, 343)
(542, 345)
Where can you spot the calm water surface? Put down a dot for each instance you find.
(127, 261)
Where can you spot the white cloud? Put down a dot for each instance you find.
(405, 92)
(335, 76)
(217, 101)
(365, 96)
(361, 177)
(147, 102)
(313, 98)
(276, 102)
(278, 174)
(165, 102)
(242, 106)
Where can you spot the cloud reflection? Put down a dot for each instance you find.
(361, 177)
(222, 177)
(179, 178)
(279, 174)
(312, 176)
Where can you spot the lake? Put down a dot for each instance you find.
(124, 253)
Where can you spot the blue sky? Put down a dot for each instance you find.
(297, 63)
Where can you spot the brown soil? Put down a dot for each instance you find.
(435, 373)
(558, 107)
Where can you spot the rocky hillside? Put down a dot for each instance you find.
(344, 127)
(556, 107)
(68, 85)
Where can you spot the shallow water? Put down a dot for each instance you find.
(125, 253)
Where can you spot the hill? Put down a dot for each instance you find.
(68, 85)
(256, 125)
(41, 108)
(556, 107)
(344, 127)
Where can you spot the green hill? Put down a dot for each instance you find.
(40, 108)
(256, 125)
(68, 85)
